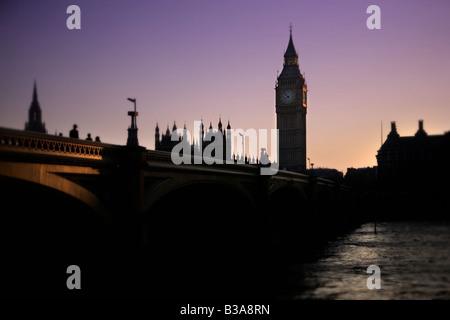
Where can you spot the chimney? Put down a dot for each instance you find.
(393, 126)
(393, 133)
(421, 132)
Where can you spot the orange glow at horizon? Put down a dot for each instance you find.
(186, 61)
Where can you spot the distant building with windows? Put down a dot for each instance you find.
(414, 163)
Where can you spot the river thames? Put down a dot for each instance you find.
(413, 257)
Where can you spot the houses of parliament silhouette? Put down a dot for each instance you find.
(164, 142)
(291, 107)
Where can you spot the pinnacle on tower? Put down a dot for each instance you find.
(219, 125)
(290, 51)
(290, 67)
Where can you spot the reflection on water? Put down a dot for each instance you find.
(414, 258)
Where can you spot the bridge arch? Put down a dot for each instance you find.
(43, 231)
(52, 177)
(197, 231)
(34, 212)
(288, 200)
(206, 208)
(173, 185)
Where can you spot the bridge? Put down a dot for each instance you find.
(101, 200)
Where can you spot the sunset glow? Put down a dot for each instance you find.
(189, 60)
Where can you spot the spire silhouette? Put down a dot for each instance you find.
(35, 92)
(35, 114)
(290, 51)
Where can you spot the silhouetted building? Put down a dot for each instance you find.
(206, 137)
(291, 106)
(419, 161)
(35, 115)
(362, 178)
(327, 173)
(165, 143)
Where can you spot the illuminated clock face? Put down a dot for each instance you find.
(288, 96)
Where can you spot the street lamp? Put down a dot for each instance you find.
(133, 115)
(134, 101)
(132, 140)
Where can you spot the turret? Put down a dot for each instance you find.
(157, 137)
(219, 126)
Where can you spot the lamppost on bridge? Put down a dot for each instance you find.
(132, 140)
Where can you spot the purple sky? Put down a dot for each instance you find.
(187, 59)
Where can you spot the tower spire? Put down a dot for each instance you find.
(34, 91)
(290, 51)
(35, 114)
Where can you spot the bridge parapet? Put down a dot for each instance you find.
(38, 143)
(289, 176)
(158, 156)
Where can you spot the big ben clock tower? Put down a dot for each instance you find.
(291, 106)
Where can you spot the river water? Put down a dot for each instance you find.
(413, 257)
